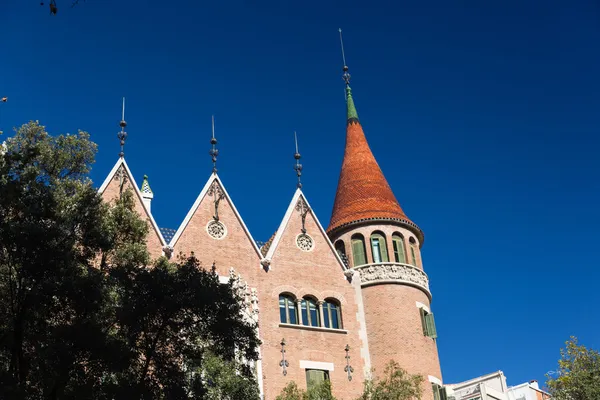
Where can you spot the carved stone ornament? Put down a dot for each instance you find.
(218, 195)
(304, 242)
(393, 272)
(302, 208)
(216, 229)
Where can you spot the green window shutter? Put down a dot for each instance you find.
(358, 252)
(423, 321)
(314, 377)
(431, 332)
(443, 394)
(436, 391)
(414, 256)
(383, 248)
(399, 250)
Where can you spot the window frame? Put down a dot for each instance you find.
(428, 323)
(326, 376)
(327, 313)
(288, 299)
(305, 304)
(358, 239)
(381, 240)
(398, 240)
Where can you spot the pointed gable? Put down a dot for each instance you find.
(302, 242)
(215, 232)
(110, 189)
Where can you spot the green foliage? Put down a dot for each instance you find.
(578, 375)
(319, 391)
(81, 313)
(395, 384)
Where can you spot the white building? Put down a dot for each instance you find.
(493, 387)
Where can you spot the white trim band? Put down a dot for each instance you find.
(304, 364)
(433, 379)
(423, 306)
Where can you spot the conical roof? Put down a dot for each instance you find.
(363, 193)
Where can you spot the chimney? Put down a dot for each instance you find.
(534, 384)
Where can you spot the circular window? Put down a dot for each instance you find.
(216, 229)
(304, 242)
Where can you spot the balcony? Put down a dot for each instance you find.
(391, 272)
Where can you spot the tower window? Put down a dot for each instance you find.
(413, 251)
(439, 393)
(310, 312)
(428, 323)
(379, 248)
(287, 309)
(340, 247)
(398, 244)
(315, 377)
(332, 315)
(358, 250)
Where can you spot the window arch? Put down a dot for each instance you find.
(332, 314)
(379, 247)
(359, 253)
(340, 247)
(414, 252)
(288, 314)
(398, 245)
(310, 312)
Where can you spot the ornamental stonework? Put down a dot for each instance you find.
(403, 273)
(304, 242)
(216, 229)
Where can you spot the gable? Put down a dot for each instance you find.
(225, 241)
(110, 191)
(293, 248)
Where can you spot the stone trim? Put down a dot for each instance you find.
(313, 328)
(306, 364)
(423, 306)
(406, 274)
(433, 379)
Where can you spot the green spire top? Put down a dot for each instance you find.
(145, 189)
(352, 114)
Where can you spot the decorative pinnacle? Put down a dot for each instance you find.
(214, 152)
(122, 135)
(346, 75)
(298, 166)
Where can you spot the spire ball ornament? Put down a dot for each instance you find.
(298, 166)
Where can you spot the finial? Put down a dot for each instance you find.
(298, 166)
(346, 75)
(122, 135)
(214, 152)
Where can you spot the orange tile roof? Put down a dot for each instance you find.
(362, 192)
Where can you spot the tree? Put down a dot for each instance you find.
(320, 391)
(578, 375)
(83, 313)
(395, 384)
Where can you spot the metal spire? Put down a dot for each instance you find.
(122, 135)
(346, 75)
(214, 152)
(298, 166)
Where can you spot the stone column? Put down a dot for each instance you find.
(321, 314)
(299, 308)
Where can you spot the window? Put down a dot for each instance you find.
(340, 248)
(379, 248)
(332, 316)
(315, 377)
(413, 251)
(428, 323)
(439, 393)
(310, 312)
(287, 309)
(399, 253)
(358, 250)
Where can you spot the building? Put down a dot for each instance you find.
(316, 291)
(493, 387)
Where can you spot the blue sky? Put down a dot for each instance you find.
(484, 118)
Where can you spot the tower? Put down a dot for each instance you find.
(381, 246)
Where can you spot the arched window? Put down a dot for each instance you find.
(399, 253)
(332, 314)
(359, 254)
(287, 309)
(379, 247)
(340, 248)
(310, 312)
(413, 251)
